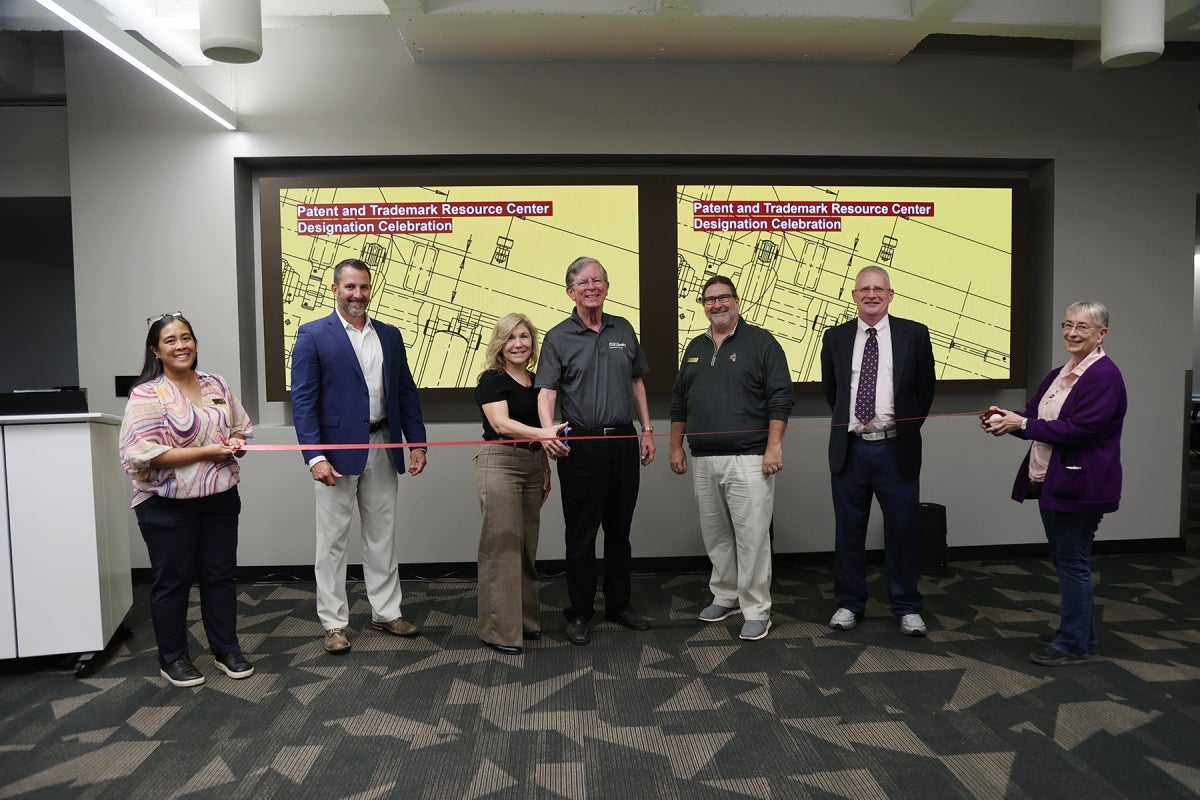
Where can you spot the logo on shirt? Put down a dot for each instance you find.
(616, 345)
(733, 356)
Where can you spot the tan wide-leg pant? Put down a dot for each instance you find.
(509, 480)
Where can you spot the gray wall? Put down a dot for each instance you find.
(33, 152)
(154, 223)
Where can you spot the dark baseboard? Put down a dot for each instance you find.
(1102, 547)
(466, 570)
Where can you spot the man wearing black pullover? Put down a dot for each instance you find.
(732, 398)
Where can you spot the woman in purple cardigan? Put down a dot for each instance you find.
(1073, 470)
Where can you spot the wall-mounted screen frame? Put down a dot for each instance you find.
(955, 240)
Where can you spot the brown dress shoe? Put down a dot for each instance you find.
(336, 641)
(397, 627)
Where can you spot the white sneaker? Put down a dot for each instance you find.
(912, 625)
(843, 620)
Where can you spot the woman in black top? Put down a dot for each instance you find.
(512, 475)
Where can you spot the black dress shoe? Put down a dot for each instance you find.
(579, 631)
(234, 665)
(181, 672)
(630, 619)
(505, 649)
(531, 636)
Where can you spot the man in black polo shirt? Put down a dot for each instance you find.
(732, 398)
(593, 364)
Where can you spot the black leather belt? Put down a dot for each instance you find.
(619, 430)
(875, 436)
(377, 426)
(534, 446)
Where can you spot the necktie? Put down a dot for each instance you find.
(864, 402)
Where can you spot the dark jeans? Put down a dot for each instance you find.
(1070, 536)
(600, 480)
(872, 468)
(189, 541)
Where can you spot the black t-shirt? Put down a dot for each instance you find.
(522, 400)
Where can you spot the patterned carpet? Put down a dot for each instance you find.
(685, 710)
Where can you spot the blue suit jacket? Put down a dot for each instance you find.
(330, 404)
(913, 385)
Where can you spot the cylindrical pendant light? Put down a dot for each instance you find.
(231, 30)
(1131, 31)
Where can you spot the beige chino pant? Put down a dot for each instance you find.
(736, 501)
(374, 493)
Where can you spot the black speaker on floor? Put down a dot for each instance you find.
(933, 539)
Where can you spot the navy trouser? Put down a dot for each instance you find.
(1070, 536)
(192, 541)
(599, 486)
(872, 468)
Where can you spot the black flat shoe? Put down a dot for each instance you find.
(531, 636)
(1047, 638)
(1048, 656)
(505, 649)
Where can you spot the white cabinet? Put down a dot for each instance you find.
(64, 558)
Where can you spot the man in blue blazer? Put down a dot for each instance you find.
(351, 385)
(878, 375)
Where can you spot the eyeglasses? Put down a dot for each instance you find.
(720, 298)
(151, 320)
(586, 282)
(1081, 327)
(872, 290)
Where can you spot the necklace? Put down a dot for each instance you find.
(521, 378)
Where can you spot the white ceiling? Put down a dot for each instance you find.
(877, 32)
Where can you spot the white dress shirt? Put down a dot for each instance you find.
(885, 393)
(370, 358)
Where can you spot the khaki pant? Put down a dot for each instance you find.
(509, 480)
(374, 493)
(736, 501)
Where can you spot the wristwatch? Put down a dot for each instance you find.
(1023, 421)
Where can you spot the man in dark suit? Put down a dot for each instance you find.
(878, 375)
(351, 385)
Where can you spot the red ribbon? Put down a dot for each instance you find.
(568, 438)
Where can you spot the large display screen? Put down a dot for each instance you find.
(453, 247)
(448, 261)
(793, 253)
